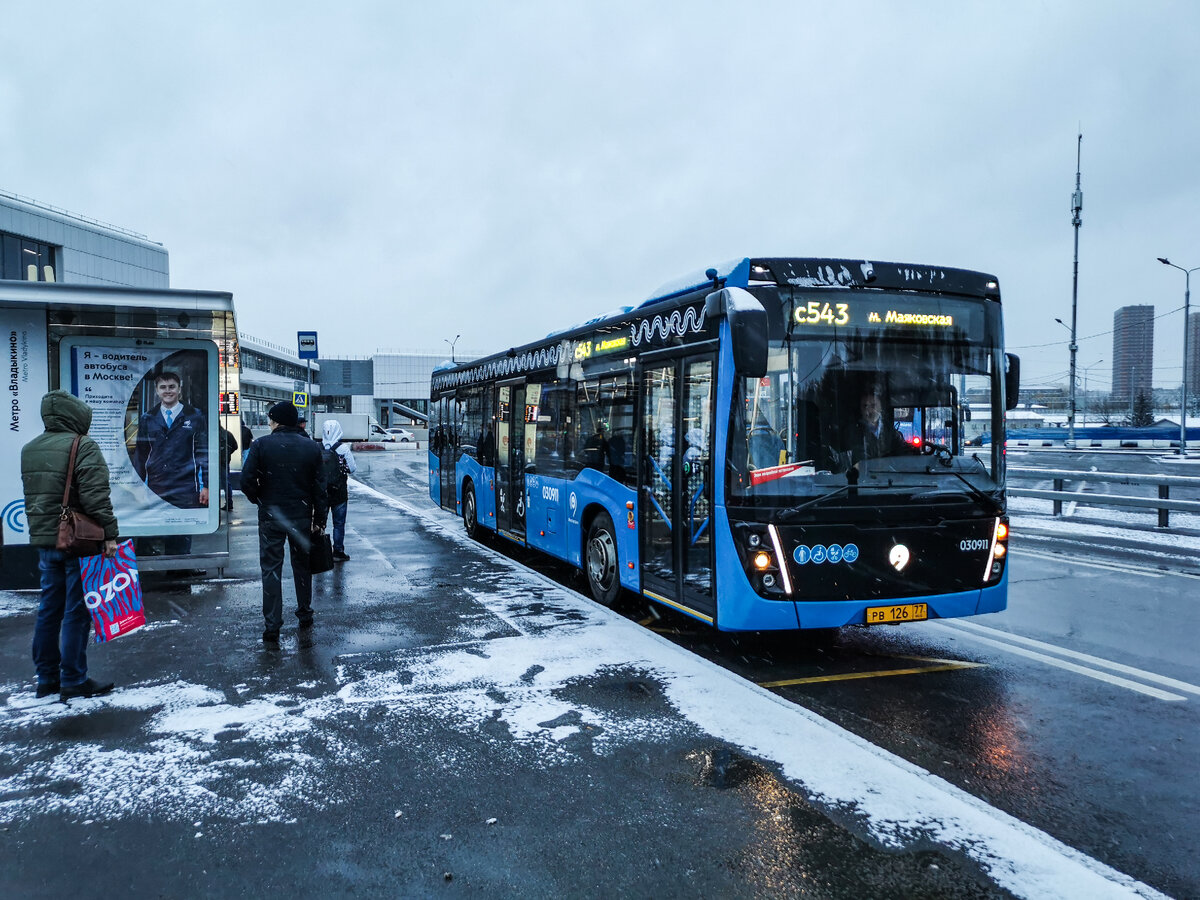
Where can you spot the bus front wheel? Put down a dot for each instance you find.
(600, 561)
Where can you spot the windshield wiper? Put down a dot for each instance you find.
(978, 494)
(791, 511)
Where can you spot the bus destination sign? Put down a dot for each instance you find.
(886, 314)
(602, 345)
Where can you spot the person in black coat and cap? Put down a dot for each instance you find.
(284, 476)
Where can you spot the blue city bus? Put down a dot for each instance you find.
(732, 447)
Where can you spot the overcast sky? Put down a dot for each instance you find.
(393, 174)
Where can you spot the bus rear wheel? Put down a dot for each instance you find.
(470, 512)
(600, 561)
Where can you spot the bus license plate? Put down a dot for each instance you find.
(910, 612)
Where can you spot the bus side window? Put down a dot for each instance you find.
(595, 449)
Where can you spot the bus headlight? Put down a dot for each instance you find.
(998, 552)
(762, 560)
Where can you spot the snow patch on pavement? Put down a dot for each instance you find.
(14, 604)
(190, 764)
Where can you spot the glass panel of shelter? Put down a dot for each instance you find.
(218, 326)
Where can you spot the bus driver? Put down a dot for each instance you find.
(871, 437)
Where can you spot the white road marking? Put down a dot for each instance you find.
(1111, 567)
(1063, 664)
(1084, 657)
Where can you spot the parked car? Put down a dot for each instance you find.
(378, 434)
(401, 434)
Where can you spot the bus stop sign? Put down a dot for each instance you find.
(307, 342)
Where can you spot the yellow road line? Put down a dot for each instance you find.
(851, 676)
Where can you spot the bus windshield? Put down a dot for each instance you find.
(875, 401)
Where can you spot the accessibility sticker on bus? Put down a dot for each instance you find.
(822, 553)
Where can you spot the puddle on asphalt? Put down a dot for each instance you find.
(794, 843)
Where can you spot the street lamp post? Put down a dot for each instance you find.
(452, 343)
(1076, 221)
(1187, 294)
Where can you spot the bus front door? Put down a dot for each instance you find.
(510, 460)
(676, 484)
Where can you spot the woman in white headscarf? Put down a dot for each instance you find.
(339, 464)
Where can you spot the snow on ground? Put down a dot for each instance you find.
(15, 603)
(180, 771)
(1107, 522)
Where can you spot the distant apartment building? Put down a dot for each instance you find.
(43, 243)
(1133, 352)
(1193, 363)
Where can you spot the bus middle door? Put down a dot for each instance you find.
(677, 484)
(510, 460)
(451, 422)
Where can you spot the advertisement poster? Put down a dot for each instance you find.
(154, 415)
(23, 332)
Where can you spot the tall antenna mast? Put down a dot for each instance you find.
(1076, 221)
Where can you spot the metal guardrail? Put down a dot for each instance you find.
(1163, 503)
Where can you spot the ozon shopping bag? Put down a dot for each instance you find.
(113, 593)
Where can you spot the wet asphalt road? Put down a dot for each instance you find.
(335, 769)
(1052, 746)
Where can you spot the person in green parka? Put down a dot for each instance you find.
(60, 636)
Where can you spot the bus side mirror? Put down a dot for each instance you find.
(747, 328)
(1012, 380)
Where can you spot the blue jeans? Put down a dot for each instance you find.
(64, 624)
(339, 526)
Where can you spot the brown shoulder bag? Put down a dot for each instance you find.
(78, 533)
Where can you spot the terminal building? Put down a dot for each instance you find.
(392, 387)
(270, 374)
(43, 243)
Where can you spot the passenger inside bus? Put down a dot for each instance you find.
(617, 467)
(595, 450)
(487, 446)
